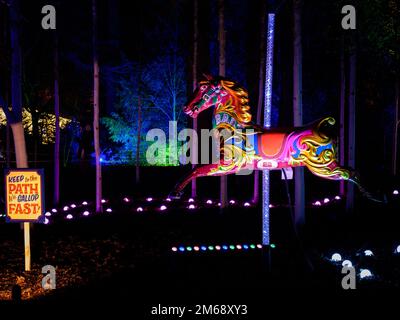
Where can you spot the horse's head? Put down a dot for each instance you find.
(208, 93)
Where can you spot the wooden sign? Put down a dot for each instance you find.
(24, 195)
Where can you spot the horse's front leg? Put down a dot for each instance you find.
(200, 171)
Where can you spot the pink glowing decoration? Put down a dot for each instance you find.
(69, 216)
(395, 192)
(162, 208)
(317, 203)
(54, 210)
(192, 206)
(84, 203)
(209, 202)
(232, 202)
(48, 214)
(259, 246)
(46, 221)
(191, 200)
(246, 204)
(174, 249)
(66, 208)
(140, 209)
(168, 199)
(196, 248)
(338, 198)
(86, 213)
(103, 200)
(126, 199)
(109, 210)
(326, 200)
(149, 199)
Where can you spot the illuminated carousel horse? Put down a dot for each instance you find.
(245, 145)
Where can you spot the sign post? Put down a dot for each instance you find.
(25, 201)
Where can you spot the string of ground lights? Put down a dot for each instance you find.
(76, 210)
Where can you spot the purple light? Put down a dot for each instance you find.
(326, 200)
(219, 204)
(69, 216)
(126, 199)
(140, 209)
(209, 202)
(54, 210)
(246, 204)
(191, 207)
(168, 199)
(84, 203)
(317, 203)
(270, 205)
(149, 199)
(395, 192)
(86, 213)
(103, 200)
(46, 221)
(337, 198)
(174, 249)
(191, 200)
(232, 202)
(162, 208)
(66, 208)
(48, 214)
(73, 206)
(109, 210)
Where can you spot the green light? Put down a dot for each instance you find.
(232, 247)
(211, 248)
(252, 246)
(189, 248)
(272, 246)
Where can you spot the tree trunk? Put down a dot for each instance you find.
(56, 199)
(261, 70)
(396, 124)
(351, 152)
(138, 140)
(96, 110)
(221, 40)
(14, 117)
(194, 79)
(299, 209)
(342, 113)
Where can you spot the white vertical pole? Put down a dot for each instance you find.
(267, 121)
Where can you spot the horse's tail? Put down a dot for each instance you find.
(320, 157)
(355, 178)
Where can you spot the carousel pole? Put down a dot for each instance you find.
(267, 123)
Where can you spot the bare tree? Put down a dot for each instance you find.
(298, 108)
(221, 40)
(261, 70)
(57, 125)
(96, 110)
(194, 77)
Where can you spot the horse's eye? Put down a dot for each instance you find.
(204, 87)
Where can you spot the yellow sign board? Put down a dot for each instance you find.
(24, 195)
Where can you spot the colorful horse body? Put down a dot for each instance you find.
(249, 146)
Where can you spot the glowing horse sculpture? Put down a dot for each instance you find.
(249, 146)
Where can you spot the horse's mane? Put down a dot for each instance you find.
(239, 107)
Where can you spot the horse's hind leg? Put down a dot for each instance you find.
(200, 171)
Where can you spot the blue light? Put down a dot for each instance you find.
(203, 248)
(224, 247)
(245, 246)
(181, 249)
(101, 159)
(267, 123)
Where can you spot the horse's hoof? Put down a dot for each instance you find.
(175, 195)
